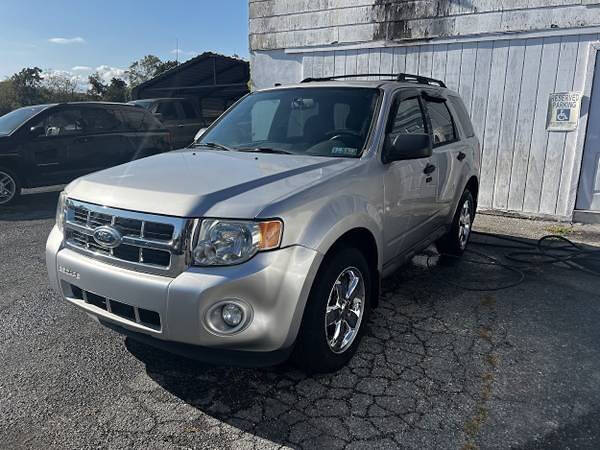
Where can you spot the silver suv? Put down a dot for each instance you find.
(269, 237)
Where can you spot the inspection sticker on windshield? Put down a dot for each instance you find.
(344, 151)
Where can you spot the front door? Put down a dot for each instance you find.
(410, 186)
(48, 152)
(588, 196)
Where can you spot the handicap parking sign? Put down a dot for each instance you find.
(563, 111)
(563, 115)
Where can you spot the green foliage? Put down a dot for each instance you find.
(31, 86)
(147, 68)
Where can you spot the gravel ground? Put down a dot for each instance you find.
(440, 367)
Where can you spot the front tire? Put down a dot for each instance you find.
(10, 187)
(336, 313)
(455, 241)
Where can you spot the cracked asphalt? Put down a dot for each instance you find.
(439, 367)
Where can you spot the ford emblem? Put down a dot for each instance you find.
(107, 236)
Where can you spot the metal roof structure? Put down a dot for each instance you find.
(213, 80)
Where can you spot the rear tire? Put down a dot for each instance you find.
(455, 241)
(336, 313)
(10, 187)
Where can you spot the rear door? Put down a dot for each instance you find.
(172, 119)
(191, 120)
(448, 153)
(410, 186)
(103, 143)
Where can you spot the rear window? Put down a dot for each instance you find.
(463, 116)
(442, 126)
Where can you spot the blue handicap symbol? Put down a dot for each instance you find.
(563, 115)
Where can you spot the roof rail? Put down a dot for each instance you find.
(403, 77)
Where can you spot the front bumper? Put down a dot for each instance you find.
(275, 285)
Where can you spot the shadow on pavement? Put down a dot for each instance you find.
(431, 370)
(31, 206)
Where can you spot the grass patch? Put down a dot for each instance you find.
(559, 230)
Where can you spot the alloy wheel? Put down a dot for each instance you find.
(464, 224)
(8, 187)
(344, 310)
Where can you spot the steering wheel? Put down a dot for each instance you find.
(338, 134)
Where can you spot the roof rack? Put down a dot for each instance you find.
(403, 77)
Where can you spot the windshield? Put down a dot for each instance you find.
(11, 121)
(311, 121)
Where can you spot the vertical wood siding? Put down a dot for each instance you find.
(505, 84)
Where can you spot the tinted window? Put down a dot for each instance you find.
(441, 122)
(139, 120)
(100, 119)
(463, 116)
(9, 122)
(188, 110)
(408, 118)
(322, 121)
(62, 123)
(168, 110)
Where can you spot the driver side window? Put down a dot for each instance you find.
(408, 118)
(66, 122)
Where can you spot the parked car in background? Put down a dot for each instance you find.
(270, 236)
(179, 115)
(52, 144)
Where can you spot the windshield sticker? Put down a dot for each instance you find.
(344, 151)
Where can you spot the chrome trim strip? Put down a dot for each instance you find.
(178, 246)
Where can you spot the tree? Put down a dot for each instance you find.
(8, 97)
(147, 68)
(27, 86)
(116, 91)
(59, 87)
(97, 88)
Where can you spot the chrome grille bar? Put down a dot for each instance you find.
(150, 243)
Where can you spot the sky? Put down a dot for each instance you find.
(78, 38)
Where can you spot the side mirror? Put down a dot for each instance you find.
(159, 116)
(37, 131)
(406, 146)
(199, 134)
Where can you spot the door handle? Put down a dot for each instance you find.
(83, 140)
(180, 125)
(461, 156)
(429, 168)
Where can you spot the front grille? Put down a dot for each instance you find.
(142, 316)
(147, 242)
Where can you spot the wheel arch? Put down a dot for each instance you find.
(363, 240)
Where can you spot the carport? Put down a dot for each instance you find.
(213, 81)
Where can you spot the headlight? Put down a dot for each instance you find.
(226, 242)
(61, 210)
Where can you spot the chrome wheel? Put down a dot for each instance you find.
(464, 224)
(8, 187)
(344, 311)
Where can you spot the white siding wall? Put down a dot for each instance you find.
(280, 24)
(505, 84)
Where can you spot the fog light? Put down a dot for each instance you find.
(232, 314)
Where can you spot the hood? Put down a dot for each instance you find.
(205, 183)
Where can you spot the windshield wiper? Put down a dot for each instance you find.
(213, 145)
(265, 150)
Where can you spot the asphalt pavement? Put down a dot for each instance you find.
(439, 367)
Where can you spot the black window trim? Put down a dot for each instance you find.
(440, 99)
(402, 94)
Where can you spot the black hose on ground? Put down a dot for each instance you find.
(550, 249)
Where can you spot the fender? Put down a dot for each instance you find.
(337, 217)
